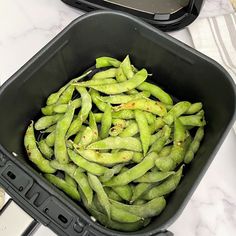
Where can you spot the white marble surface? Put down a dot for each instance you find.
(27, 25)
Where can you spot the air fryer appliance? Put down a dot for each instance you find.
(167, 15)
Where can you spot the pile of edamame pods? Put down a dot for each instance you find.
(115, 143)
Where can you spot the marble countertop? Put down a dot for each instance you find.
(26, 26)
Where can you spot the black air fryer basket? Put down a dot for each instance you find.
(166, 15)
(180, 70)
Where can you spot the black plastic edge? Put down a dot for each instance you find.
(174, 22)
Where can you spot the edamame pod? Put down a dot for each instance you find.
(134, 172)
(93, 126)
(125, 86)
(128, 143)
(194, 108)
(91, 167)
(107, 61)
(112, 194)
(124, 191)
(109, 73)
(45, 149)
(60, 149)
(149, 209)
(62, 108)
(96, 82)
(143, 130)
(69, 180)
(154, 177)
(166, 187)
(64, 186)
(127, 68)
(144, 104)
(106, 159)
(157, 92)
(106, 122)
(193, 120)
(176, 111)
(126, 227)
(140, 189)
(194, 146)
(101, 194)
(83, 114)
(46, 121)
(33, 153)
(66, 95)
(95, 96)
(53, 98)
(118, 99)
(159, 143)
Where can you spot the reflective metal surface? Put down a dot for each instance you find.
(152, 6)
